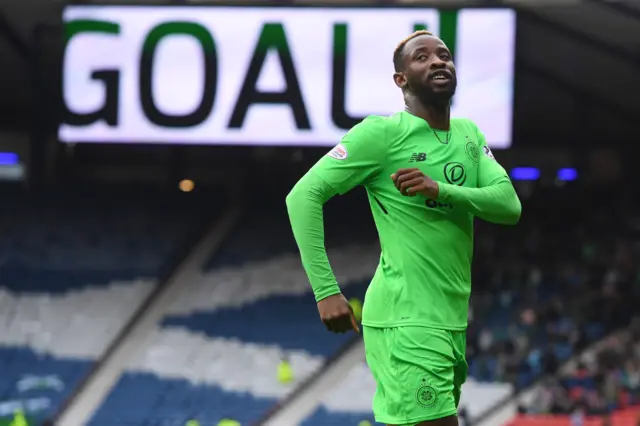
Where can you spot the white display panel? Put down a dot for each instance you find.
(266, 75)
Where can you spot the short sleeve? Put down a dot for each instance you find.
(490, 171)
(357, 158)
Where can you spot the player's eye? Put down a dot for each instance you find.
(445, 57)
(421, 57)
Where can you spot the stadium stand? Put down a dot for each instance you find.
(215, 353)
(74, 268)
(559, 284)
(217, 350)
(603, 381)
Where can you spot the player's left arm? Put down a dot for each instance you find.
(494, 200)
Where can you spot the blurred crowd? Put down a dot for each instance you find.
(565, 278)
(601, 382)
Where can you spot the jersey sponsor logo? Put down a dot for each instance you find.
(339, 152)
(418, 157)
(472, 151)
(455, 174)
(426, 395)
(487, 152)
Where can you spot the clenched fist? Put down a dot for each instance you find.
(337, 315)
(412, 181)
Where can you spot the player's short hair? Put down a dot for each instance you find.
(398, 53)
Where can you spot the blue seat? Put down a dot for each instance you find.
(143, 399)
(52, 380)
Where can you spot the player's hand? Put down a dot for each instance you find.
(411, 182)
(337, 315)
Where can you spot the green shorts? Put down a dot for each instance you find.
(419, 372)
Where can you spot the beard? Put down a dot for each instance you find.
(429, 96)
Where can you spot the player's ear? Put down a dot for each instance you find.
(400, 79)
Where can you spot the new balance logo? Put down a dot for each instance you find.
(418, 156)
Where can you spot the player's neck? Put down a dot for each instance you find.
(436, 115)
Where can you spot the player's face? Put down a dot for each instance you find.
(429, 71)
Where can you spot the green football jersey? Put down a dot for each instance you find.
(424, 275)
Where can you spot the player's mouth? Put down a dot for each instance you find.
(440, 77)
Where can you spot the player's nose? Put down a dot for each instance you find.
(437, 64)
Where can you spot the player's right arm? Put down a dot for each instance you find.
(354, 161)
